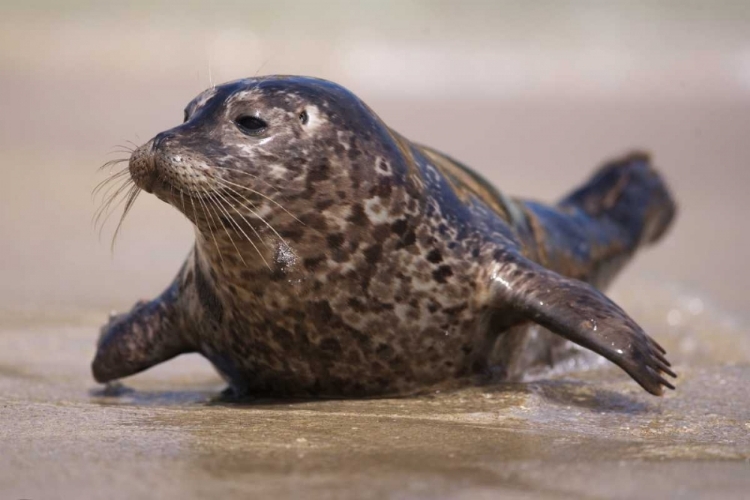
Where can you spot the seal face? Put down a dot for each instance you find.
(333, 257)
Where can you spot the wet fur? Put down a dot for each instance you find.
(336, 258)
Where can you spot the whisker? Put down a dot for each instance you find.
(112, 163)
(261, 67)
(182, 200)
(261, 195)
(210, 228)
(244, 199)
(217, 204)
(106, 181)
(132, 196)
(126, 184)
(254, 176)
(239, 227)
(110, 204)
(118, 187)
(252, 210)
(128, 150)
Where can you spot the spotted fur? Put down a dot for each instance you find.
(333, 257)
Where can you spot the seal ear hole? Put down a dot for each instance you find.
(304, 117)
(250, 124)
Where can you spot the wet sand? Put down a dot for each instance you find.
(585, 434)
(532, 98)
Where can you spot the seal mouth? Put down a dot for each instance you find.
(143, 169)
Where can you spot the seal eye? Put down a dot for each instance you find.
(250, 124)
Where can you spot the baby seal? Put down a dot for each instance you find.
(334, 257)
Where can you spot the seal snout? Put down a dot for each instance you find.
(165, 165)
(143, 168)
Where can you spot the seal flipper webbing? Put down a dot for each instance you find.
(140, 339)
(580, 313)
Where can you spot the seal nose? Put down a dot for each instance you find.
(143, 165)
(160, 138)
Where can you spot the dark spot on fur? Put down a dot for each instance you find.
(364, 341)
(381, 306)
(291, 234)
(341, 194)
(277, 274)
(442, 273)
(384, 351)
(435, 256)
(358, 216)
(452, 311)
(314, 220)
(324, 204)
(335, 240)
(382, 189)
(399, 227)
(408, 239)
(354, 153)
(356, 305)
(318, 172)
(340, 255)
(381, 232)
(373, 253)
(321, 312)
(433, 307)
(311, 263)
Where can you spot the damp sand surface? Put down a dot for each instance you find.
(587, 433)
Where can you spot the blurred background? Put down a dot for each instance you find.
(534, 95)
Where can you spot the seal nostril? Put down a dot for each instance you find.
(161, 138)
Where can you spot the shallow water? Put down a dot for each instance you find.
(586, 434)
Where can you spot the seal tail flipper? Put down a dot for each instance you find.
(579, 312)
(630, 193)
(139, 339)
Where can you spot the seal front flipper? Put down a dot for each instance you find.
(580, 313)
(137, 340)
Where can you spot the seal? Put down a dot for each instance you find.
(333, 257)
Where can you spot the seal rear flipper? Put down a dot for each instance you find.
(580, 313)
(139, 339)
